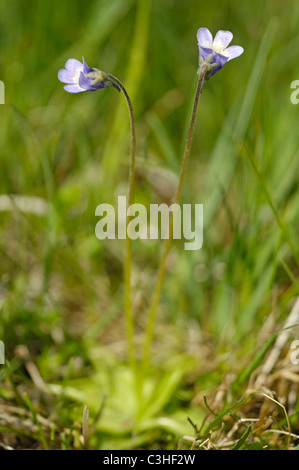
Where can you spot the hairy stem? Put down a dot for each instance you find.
(167, 244)
(128, 256)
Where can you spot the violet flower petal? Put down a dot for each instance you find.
(233, 51)
(204, 37)
(73, 88)
(86, 69)
(66, 77)
(73, 66)
(85, 82)
(205, 51)
(222, 40)
(220, 58)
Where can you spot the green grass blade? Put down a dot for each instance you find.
(243, 438)
(257, 360)
(36, 421)
(221, 415)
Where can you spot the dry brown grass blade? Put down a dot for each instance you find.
(292, 320)
(286, 415)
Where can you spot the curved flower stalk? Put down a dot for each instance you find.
(213, 55)
(79, 77)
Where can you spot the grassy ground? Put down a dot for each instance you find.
(221, 372)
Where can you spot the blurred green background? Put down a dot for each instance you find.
(61, 289)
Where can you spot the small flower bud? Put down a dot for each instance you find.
(214, 65)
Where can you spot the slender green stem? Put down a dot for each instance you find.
(128, 256)
(167, 244)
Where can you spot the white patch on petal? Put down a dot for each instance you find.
(219, 49)
(76, 77)
(222, 40)
(74, 67)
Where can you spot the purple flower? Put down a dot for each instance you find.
(79, 77)
(216, 51)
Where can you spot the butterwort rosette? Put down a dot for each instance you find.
(79, 77)
(216, 51)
